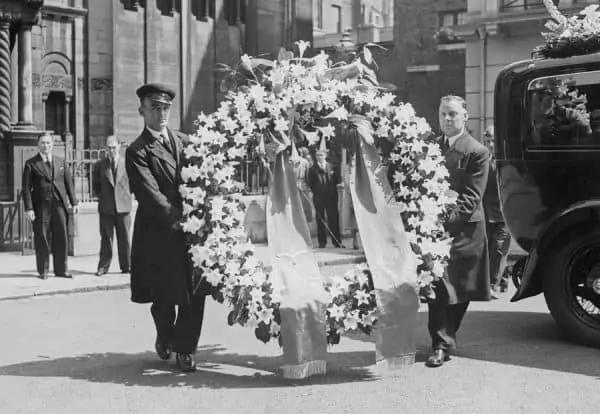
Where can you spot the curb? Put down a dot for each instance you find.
(66, 291)
(120, 286)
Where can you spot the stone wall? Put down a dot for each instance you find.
(182, 50)
(501, 51)
(100, 70)
(423, 73)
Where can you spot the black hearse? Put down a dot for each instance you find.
(547, 123)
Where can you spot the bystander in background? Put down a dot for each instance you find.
(497, 232)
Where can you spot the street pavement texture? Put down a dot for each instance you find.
(93, 353)
(18, 277)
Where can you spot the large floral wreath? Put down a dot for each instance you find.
(295, 100)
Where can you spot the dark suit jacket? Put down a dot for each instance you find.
(114, 195)
(323, 182)
(467, 273)
(491, 197)
(160, 264)
(40, 184)
(467, 161)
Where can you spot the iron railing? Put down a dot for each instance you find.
(251, 172)
(16, 230)
(81, 166)
(514, 5)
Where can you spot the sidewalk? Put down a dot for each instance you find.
(18, 277)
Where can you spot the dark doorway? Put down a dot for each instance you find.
(55, 113)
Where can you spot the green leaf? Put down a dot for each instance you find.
(264, 62)
(231, 318)
(263, 333)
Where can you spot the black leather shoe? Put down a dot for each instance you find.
(66, 275)
(186, 362)
(163, 352)
(124, 270)
(437, 358)
(101, 272)
(43, 276)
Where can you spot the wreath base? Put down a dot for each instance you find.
(305, 370)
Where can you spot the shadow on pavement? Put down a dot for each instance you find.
(524, 339)
(527, 339)
(215, 370)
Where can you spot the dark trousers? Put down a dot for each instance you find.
(498, 245)
(330, 208)
(50, 236)
(182, 331)
(444, 321)
(109, 223)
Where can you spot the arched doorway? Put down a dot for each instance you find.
(57, 109)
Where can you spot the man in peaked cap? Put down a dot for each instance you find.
(160, 265)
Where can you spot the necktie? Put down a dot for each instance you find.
(113, 166)
(49, 166)
(166, 143)
(445, 144)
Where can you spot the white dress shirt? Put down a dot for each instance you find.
(160, 136)
(452, 139)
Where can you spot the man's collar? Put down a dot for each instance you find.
(46, 157)
(157, 134)
(453, 138)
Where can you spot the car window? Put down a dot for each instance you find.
(564, 110)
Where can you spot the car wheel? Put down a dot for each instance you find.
(572, 287)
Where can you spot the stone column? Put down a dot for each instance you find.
(25, 81)
(5, 76)
(5, 98)
(67, 115)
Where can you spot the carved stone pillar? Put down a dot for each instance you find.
(5, 98)
(5, 72)
(67, 114)
(25, 80)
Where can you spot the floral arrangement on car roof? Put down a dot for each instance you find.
(569, 36)
(271, 106)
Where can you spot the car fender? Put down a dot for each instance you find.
(570, 218)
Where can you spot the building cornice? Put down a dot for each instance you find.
(60, 10)
(496, 25)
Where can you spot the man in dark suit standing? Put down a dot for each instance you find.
(323, 180)
(467, 277)
(47, 193)
(111, 186)
(497, 232)
(160, 263)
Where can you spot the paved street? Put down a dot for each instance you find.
(92, 353)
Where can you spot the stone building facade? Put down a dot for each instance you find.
(498, 33)
(422, 66)
(86, 58)
(428, 65)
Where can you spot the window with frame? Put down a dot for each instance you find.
(320, 14)
(564, 110)
(336, 18)
(453, 18)
(203, 9)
